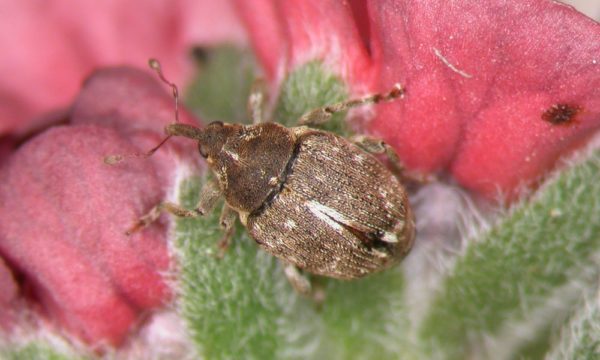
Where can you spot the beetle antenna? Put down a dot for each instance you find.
(115, 159)
(155, 65)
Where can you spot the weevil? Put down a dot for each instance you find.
(317, 201)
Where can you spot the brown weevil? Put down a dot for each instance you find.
(318, 202)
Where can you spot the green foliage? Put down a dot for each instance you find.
(242, 303)
(581, 336)
(35, 350)
(510, 272)
(221, 87)
(363, 318)
(242, 307)
(308, 87)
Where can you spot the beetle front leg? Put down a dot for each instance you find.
(256, 102)
(154, 214)
(227, 222)
(323, 114)
(208, 197)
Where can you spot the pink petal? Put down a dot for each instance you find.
(9, 293)
(485, 80)
(480, 78)
(63, 212)
(296, 31)
(267, 33)
(138, 105)
(54, 44)
(63, 216)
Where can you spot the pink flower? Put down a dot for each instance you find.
(496, 91)
(64, 212)
(9, 297)
(55, 44)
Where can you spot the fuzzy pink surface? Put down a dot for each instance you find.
(8, 297)
(64, 212)
(479, 77)
(54, 44)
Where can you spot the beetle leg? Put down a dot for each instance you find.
(154, 214)
(323, 114)
(208, 197)
(227, 222)
(256, 101)
(298, 281)
(377, 146)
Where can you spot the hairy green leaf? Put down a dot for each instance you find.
(221, 87)
(36, 350)
(581, 336)
(306, 88)
(241, 306)
(543, 245)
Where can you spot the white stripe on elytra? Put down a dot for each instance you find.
(333, 218)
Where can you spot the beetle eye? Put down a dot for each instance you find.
(203, 150)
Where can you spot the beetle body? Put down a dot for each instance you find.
(310, 197)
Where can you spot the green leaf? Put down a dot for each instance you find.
(308, 87)
(542, 246)
(581, 336)
(36, 350)
(220, 89)
(241, 306)
(232, 305)
(365, 319)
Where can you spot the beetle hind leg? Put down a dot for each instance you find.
(299, 282)
(323, 114)
(302, 285)
(377, 146)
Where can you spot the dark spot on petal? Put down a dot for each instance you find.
(561, 114)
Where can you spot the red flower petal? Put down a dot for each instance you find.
(62, 224)
(137, 105)
(8, 296)
(63, 212)
(486, 82)
(294, 32)
(54, 44)
(480, 78)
